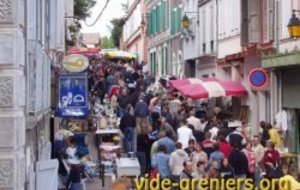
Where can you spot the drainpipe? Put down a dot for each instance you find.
(277, 29)
(217, 31)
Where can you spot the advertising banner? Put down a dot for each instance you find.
(73, 95)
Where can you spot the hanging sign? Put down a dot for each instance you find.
(75, 63)
(258, 78)
(73, 96)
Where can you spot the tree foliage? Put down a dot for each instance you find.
(116, 31)
(82, 8)
(107, 43)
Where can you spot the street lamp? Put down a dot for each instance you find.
(294, 25)
(185, 22)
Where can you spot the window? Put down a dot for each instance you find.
(204, 48)
(212, 23)
(204, 27)
(212, 46)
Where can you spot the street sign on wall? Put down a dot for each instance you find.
(73, 95)
(258, 78)
(75, 63)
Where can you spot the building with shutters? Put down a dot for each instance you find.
(199, 40)
(164, 32)
(283, 66)
(134, 30)
(32, 36)
(245, 32)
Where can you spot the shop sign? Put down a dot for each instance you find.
(73, 96)
(258, 78)
(75, 63)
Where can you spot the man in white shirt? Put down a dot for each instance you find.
(194, 121)
(184, 134)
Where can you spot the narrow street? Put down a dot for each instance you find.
(149, 94)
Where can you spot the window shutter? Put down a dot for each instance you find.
(157, 18)
(148, 24)
(254, 21)
(166, 60)
(179, 16)
(244, 23)
(154, 21)
(173, 23)
(271, 19)
(162, 61)
(164, 16)
(32, 19)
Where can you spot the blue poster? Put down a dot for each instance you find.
(73, 96)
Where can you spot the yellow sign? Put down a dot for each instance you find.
(75, 63)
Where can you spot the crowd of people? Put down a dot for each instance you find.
(178, 139)
(175, 138)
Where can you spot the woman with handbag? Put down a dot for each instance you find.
(271, 162)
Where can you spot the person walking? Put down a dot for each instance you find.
(177, 158)
(141, 112)
(239, 162)
(198, 155)
(143, 150)
(74, 179)
(166, 141)
(251, 160)
(189, 150)
(160, 161)
(123, 102)
(271, 162)
(259, 152)
(216, 157)
(184, 134)
(127, 126)
(208, 145)
(224, 146)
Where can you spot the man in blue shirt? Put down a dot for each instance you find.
(166, 141)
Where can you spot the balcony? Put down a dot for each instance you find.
(281, 60)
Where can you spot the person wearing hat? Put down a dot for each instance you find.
(236, 135)
(74, 179)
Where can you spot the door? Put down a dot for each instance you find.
(47, 175)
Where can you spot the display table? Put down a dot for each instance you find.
(128, 167)
(289, 162)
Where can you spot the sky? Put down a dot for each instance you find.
(113, 10)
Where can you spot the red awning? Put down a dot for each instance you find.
(85, 51)
(208, 88)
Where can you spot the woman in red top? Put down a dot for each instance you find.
(271, 161)
(224, 146)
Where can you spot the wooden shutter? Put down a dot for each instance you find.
(173, 23)
(254, 21)
(149, 24)
(154, 21)
(47, 174)
(164, 16)
(179, 17)
(244, 22)
(162, 61)
(166, 60)
(271, 19)
(157, 12)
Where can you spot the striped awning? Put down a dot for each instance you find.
(208, 88)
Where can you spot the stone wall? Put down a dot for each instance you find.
(12, 95)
